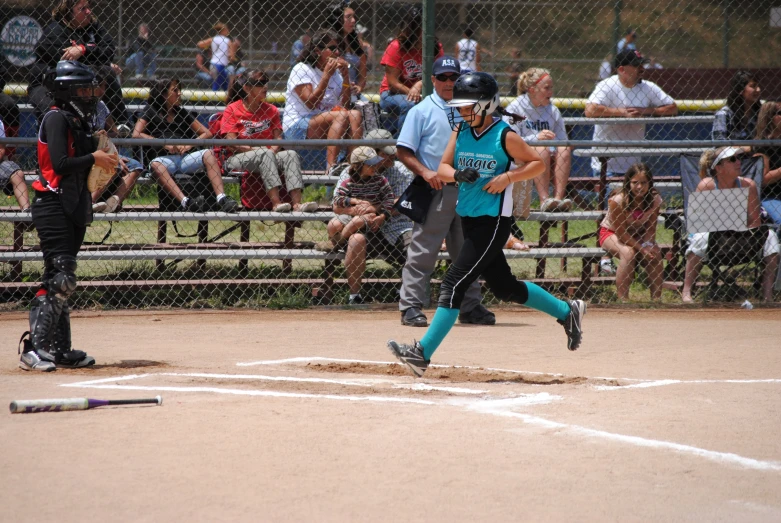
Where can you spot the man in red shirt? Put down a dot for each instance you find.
(255, 119)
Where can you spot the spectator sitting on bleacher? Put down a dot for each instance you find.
(342, 21)
(128, 169)
(395, 234)
(252, 118)
(144, 56)
(223, 50)
(298, 46)
(74, 34)
(363, 201)
(738, 119)
(203, 75)
(403, 58)
(318, 93)
(11, 176)
(163, 117)
(769, 128)
(543, 121)
(720, 169)
(628, 232)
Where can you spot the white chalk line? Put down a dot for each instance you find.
(502, 408)
(662, 383)
(370, 382)
(268, 393)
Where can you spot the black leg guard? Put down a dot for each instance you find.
(44, 316)
(64, 355)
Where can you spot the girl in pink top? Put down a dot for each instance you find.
(628, 232)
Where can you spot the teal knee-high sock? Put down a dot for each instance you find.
(443, 321)
(544, 301)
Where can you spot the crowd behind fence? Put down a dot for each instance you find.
(223, 207)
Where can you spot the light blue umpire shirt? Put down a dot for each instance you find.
(426, 130)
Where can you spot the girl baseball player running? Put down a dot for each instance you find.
(478, 157)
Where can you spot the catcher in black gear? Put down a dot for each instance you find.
(61, 212)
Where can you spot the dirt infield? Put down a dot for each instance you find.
(303, 416)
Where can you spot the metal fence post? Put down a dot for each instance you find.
(428, 45)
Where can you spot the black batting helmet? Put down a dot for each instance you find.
(477, 90)
(63, 83)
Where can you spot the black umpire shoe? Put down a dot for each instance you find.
(573, 323)
(414, 317)
(478, 316)
(410, 355)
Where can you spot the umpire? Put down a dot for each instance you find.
(61, 212)
(421, 143)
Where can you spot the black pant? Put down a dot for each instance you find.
(56, 230)
(42, 101)
(484, 239)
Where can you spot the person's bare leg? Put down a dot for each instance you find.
(128, 181)
(693, 268)
(20, 189)
(626, 268)
(213, 172)
(355, 262)
(653, 269)
(358, 223)
(273, 195)
(334, 229)
(356, 124)
(769, 277)
(335, 132)
(542, 182)
(166, 181)
(331, 125)
(563, 166)
(295, 198)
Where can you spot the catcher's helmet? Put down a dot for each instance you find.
(477, 90)
(64, 81)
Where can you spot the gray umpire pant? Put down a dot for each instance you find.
(441, 223)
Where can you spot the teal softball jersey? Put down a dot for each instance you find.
(488, 155)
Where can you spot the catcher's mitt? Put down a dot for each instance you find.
(98, 176)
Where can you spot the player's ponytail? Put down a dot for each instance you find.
(514, 118)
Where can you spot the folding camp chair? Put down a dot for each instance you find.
(721, 260)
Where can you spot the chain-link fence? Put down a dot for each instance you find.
(221, 221)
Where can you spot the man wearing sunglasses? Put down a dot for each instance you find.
(421, 142)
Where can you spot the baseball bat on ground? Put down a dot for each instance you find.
(56, 405)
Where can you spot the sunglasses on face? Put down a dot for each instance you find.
(332, 48)
(731, 159)
(447, 77)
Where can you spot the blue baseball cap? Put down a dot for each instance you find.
(446, 64)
